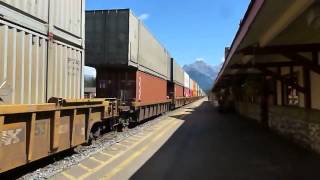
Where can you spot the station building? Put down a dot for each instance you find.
(271, 73)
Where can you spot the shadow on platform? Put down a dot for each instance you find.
(210, 145)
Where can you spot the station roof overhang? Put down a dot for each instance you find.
(273, 34)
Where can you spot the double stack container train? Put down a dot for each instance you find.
(42, 110)
(133, 66)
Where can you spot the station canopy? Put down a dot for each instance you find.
(273, 34)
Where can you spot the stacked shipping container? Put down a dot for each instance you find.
(186, 88)
(117, 40)
(41, 50)
(177, 79)
(62, 18)
(131, 64)
(41, 56)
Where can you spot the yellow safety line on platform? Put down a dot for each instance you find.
(68, 176)
(106, 154)
(122, 145)
(85, 167)
(166, 124)
(125, 163)
(96, 160)
(120, 154)
(113, 157)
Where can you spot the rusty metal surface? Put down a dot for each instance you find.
(31, 132)
(41, 142)
(13, 144)
(130, 85)
(178, 91)
(150, 88)
(64, 131)
(152, 110)
(117, 83)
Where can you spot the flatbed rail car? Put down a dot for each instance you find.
(137, 112)
(143, 111)
(31, 132)
(181, 101)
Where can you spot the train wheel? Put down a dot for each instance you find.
(120, 127)
(95, 132)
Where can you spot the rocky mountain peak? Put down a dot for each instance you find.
(203, 73)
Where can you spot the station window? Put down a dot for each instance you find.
(102, 84)
(291, 95)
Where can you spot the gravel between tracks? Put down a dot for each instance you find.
(83, 152)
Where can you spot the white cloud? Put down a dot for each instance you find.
(144, 16)
(200, 59)
(89, 71)
(222, 59)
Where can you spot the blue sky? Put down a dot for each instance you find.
(189, 29)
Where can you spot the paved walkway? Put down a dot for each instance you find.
(210, 145)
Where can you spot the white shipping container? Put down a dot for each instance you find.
(64, 70)
(63, 18)
(178, 73)
(67, 18)
(67, 15)
(36, 8)
(152, 56)
(186, 80)
(24, 63)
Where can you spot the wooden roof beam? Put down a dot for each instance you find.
(266, 65)
(275, 75)
(280, 49)
(304, 61)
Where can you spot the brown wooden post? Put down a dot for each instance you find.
(30, 140)
(307, 86)
(315, 57)
(264, 103)
(275, 91)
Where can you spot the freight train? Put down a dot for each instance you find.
(42, 109)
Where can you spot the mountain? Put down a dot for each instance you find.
(203, 73)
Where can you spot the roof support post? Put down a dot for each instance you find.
(307, 87)
(315, 57)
